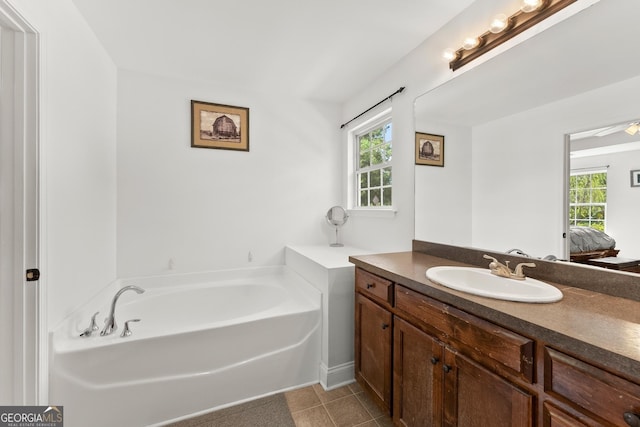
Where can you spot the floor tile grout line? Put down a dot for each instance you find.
(324, 406)
(372, 418)
(360, 398)
(305, 409)
(329, 415)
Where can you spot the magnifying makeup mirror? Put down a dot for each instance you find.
(337, 217)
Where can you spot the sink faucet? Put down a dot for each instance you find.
(497, 267)
(110, 322)
(503, 270)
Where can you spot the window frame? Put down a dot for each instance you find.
(572, 219)
(379, 120)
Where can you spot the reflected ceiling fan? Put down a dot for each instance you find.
(630, 128)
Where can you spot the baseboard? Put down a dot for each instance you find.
(336, 376)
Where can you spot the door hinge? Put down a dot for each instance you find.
(33, 274)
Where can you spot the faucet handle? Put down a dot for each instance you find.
(127, 331)
(93, 326)
(485, 256)
(518, 273)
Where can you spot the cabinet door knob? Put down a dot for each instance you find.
(371, 285)
(446, 368)
(434, 360)
(385, 325)
(632, 419)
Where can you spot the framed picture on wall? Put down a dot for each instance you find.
(429, 149)
(635, 178)
(219, 126)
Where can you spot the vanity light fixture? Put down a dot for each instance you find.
(633, 128)
(503, 28)
(470, 42)
(499, 23)
(531, 5)
(449, 54)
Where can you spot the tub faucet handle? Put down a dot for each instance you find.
(127, 331)
(92, 327)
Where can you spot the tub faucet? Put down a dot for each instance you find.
(518, 252)
(110, 322)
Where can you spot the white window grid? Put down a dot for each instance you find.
(384, 187)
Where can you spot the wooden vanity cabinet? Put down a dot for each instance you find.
(594, 396)
(417, 376)
(373, 336)
(435, 383)
(449, 368)
(432, 364)
(476, 396)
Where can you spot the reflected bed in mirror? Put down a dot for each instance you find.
(508, 123)
(602, 205)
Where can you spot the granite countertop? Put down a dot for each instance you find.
(599, 327)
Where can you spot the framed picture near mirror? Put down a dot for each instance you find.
(429, 149)
(635, 178)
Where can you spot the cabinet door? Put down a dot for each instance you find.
(475, 396)
(554, 417)
(373, 349)
(417, 377)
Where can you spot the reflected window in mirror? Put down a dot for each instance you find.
(373, 153)
(588, 199)
(599, 162)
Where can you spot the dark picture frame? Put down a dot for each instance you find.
(429, 149)
(220, 126)
(635, 178)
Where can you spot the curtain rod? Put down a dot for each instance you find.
(366, 111)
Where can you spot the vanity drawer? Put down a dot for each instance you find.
(477, 338)
(375, 287)
(599, 392)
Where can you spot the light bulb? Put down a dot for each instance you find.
(498, 23)
(449, 54)
(530, 5)
(632, 129)
(470, 43)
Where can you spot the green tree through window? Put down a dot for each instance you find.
(588, 199)
(373, 172)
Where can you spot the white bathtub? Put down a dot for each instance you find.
(205, 341)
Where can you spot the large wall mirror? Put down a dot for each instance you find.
(509, 125)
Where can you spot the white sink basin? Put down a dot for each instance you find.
(480, 281)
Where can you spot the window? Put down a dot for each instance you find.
(588, 199)
(373, 155)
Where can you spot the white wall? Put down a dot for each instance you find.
(623, 201)
(420, 71)
(206, 209)
(443, 194)
(78, 117)
(518, 168)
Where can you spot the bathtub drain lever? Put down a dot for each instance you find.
(127, 331)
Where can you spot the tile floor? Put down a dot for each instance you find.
(346, 406)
